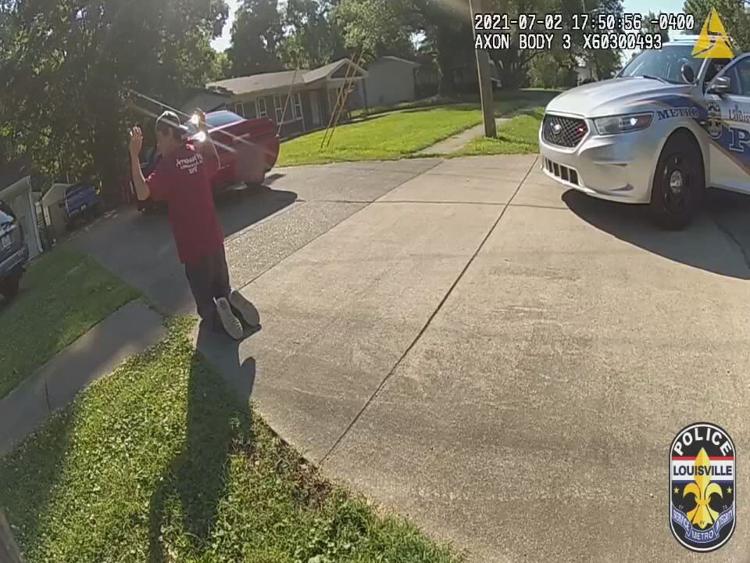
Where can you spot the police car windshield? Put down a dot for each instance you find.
(664, 64)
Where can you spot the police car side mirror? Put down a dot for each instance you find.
(688, 74)
(720, 85)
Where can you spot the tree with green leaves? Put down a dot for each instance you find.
(378, 27)
(221, 67)
(312, 34)
(256, 37)
(375, 28)
(67, 68)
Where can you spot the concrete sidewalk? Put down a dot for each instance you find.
(503, 362)
(471, 353)
(125, 333)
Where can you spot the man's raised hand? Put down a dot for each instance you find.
(136, 141)
(201, 120)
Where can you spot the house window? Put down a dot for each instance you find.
(250, 110)
(297, 106)
(278, 104)
(260, 106)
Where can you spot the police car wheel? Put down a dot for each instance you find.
(678, 183)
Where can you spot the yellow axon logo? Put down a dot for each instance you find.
(713, 42)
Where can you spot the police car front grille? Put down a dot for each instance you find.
(563, 131)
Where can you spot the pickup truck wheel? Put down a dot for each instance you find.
(679, 183)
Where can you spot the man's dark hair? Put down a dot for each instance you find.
(169, 122)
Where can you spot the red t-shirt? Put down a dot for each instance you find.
(183, 180)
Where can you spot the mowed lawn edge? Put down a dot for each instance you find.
(63, 294)
(404, 132)
(519, 135)
(157, 462)
(385, 136)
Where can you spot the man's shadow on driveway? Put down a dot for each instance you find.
(218, 425)
(717, 241)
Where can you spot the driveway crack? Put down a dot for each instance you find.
(429, 319)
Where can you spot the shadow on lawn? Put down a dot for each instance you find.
(194, 483)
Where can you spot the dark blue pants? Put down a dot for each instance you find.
(209, 280)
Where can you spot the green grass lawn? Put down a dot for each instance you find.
(403, 132)
(511, 103)
(382, 137)
(517, 136)
(158, 463)
(63, 294)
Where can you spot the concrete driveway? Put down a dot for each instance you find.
(463, 342)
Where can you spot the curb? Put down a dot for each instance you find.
(128, 331)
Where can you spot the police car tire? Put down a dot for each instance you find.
(682, 153)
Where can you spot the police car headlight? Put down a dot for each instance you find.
(623, 123)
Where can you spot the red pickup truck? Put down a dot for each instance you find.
(248, 149)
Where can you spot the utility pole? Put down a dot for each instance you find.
(483, 75)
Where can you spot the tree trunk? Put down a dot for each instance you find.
(109, 149)
(445, 47)
(108, 162)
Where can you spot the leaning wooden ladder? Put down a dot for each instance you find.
(341, 101)
(288, 98)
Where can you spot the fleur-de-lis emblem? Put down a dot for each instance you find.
(702, 488)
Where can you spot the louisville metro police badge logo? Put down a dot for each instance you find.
(702, 487)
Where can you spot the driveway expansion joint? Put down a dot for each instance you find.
(426, 325)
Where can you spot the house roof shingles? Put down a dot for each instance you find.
(391, 58)
(274, 80)
(322, 72)
(259, 82)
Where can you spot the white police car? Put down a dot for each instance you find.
(668, 126)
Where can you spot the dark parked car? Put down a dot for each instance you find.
(81, 201)
(13, 252)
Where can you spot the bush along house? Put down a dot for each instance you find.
(313, 96)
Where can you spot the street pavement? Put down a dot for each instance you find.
(472, 347)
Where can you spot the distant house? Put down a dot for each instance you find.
(312, 95)
(390, 81)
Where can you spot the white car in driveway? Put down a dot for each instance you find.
(668, 126)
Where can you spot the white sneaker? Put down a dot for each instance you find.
(231, 324)
(245, 308)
